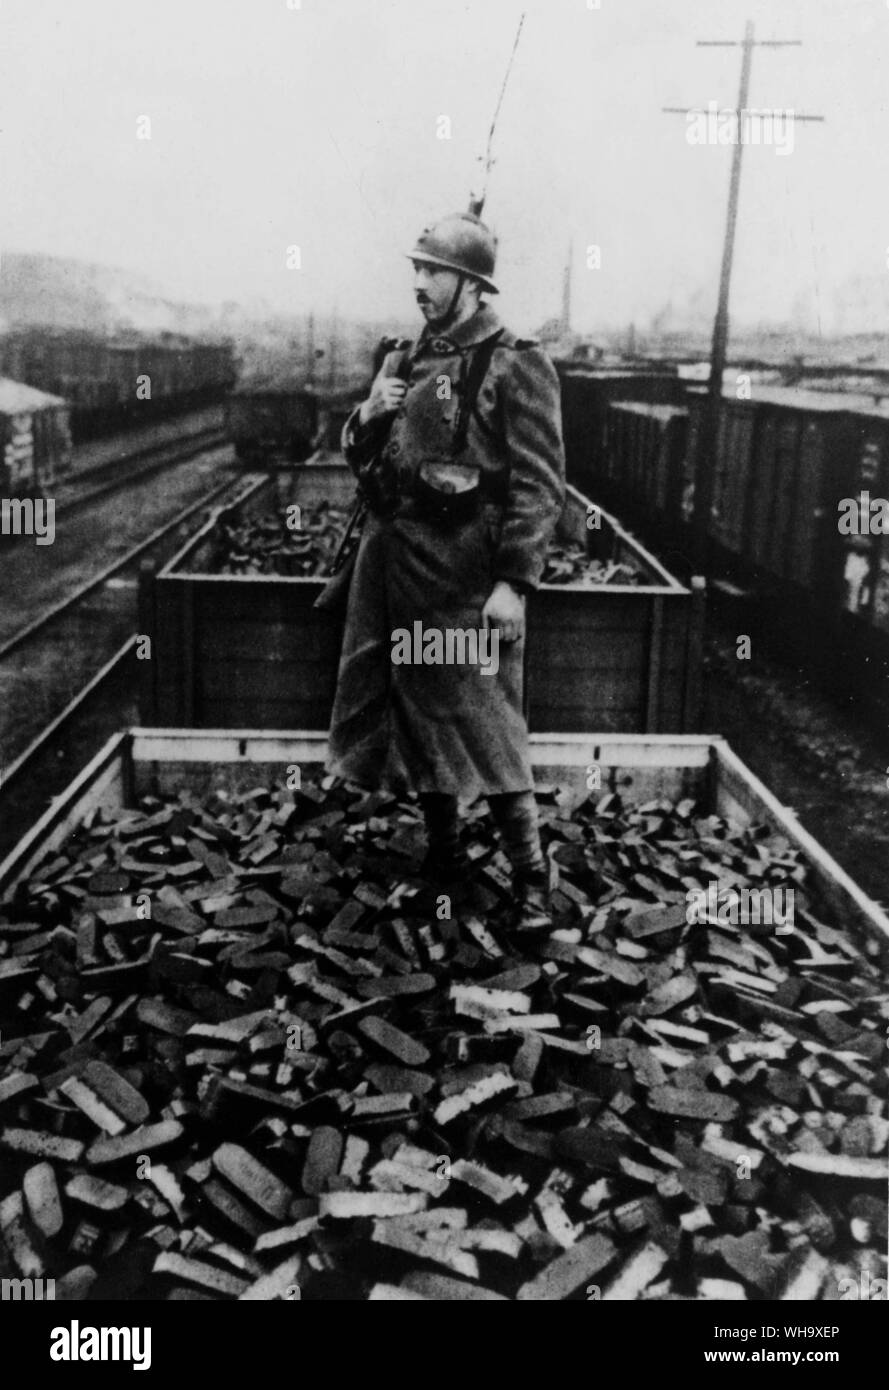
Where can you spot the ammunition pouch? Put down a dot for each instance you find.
(447, 495)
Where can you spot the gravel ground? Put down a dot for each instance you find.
(810, 751)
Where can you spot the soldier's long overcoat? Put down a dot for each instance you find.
(449, 728)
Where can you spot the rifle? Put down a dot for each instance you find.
(356, 520)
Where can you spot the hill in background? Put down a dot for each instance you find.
(55, 291)
(61, 294)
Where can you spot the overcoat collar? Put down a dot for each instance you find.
(472, 331)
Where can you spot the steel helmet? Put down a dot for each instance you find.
(460, 242)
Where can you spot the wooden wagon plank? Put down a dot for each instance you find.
(103, 782)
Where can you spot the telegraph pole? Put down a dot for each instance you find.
(708, 443)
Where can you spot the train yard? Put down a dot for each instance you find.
(795, 529)
(105, 479)
(444, 677)
(100, 513)
(69, 642)
(213, 956)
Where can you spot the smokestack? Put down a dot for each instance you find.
(566, 292)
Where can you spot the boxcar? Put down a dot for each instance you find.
(272, 425)
(98, 375)
(587, 393)
(785, 460)
(35, 439)
(646, 447)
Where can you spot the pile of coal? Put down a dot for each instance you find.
(570, 564)
(248, 1054)
(272, 544)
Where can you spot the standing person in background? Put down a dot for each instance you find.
(463, 432)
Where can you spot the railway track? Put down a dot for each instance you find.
(111, 476)
(113, 574)
(71, 676)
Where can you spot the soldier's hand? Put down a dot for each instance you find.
(505, 609)
(385, 397)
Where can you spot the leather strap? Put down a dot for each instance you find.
(475, 376)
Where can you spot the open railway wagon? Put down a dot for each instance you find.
(344, 1093)
(231, 649)
(785, 461)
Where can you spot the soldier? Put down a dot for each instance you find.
(465, 433)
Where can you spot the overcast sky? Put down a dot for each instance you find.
(317, 126)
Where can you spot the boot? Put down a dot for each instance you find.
(446, 863)
(445, 867)
(532, 914)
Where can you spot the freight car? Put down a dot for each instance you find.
(276, 423)
(587, 393)
(273, 424)
(655, 438)
(212, 633)
(785, 461)
(101, 376)
(176, 1008)
(35, 439)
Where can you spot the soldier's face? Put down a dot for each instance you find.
(434, 288)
